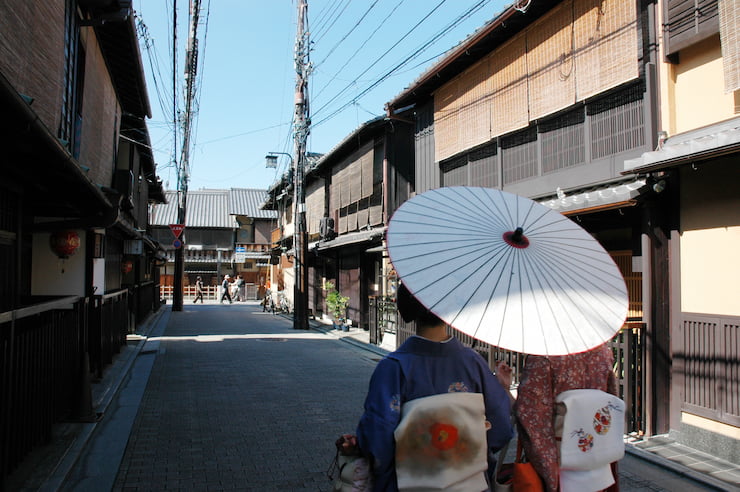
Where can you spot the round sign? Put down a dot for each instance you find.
(177, 243)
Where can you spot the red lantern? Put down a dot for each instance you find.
(127, 266)
(64, 243)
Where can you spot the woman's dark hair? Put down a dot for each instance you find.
(412, 310)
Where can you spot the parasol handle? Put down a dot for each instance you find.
(516, 238)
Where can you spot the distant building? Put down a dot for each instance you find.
(225, 232)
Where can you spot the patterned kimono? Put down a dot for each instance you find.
(542, 380)
(420, 368)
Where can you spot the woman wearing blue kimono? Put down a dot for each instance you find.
(437, 449)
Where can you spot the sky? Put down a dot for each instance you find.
(363, 53)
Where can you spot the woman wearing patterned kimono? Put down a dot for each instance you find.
(427, 364)
(543, 378)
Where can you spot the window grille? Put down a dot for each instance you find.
(483, 167)
(617, 122)
(562, 140)
(455, 172)
(519, 155)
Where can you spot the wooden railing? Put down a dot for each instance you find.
(49, 353)
(210, 292)
(626, 346)
(41, 362)
(110, 322)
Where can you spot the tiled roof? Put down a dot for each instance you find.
(213, 208)
(205, 208)
(247, 201)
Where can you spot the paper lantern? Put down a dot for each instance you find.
(64, 243)
(127, 266)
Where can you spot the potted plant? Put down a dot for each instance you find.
(337, 306)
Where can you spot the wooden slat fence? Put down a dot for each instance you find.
(706, 361)
(41, 355)
(626, 345)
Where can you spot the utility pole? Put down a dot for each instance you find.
(191, 69)
(302, 124)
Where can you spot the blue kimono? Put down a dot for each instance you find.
(419, 368)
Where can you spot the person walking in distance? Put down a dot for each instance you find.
(240, 294)
(198, 290)
(225, 286)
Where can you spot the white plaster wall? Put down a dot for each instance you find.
(52, 276)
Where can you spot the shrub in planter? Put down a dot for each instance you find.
(336, 304)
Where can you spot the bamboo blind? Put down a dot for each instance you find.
(363, 214)
(509, 108)
(606, 45)
(366, 169)
(578, 49)
(352, 217)
(354, 181)
(729, 34)
(315, 194)
(352, 185)
(550, 62)
(473, 125)
(446, 102)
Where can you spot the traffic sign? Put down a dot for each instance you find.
(177, 229)
(177, 244)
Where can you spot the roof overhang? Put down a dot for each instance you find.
(37, 161)
(598, 199)
(686, 148)
(120, 47)
(350, 239)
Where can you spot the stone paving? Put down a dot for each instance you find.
(226, 397)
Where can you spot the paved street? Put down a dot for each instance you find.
(225, 397)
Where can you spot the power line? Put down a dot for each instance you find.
(359, 21)
(394, 69)
(352, 56)
(377, 60)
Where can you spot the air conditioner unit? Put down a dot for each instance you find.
(326, 228)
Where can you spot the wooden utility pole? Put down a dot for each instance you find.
(302, 124)
(191, 70)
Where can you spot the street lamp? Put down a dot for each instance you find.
(300, 287)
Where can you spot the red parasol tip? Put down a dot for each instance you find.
(516, 238)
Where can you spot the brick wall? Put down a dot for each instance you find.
(32, 53)
(100, 114)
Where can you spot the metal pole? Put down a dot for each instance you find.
(302, 123)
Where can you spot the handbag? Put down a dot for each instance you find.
(519, 476)
(353, 473)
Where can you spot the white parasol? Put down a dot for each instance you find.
(507, 270)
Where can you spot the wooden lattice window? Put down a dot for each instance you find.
(519, 155)
(563, 143)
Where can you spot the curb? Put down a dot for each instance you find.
(108, 390)
(679, 469)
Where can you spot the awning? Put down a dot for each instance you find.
(597, 199)
(349, 239)
(689, 147)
